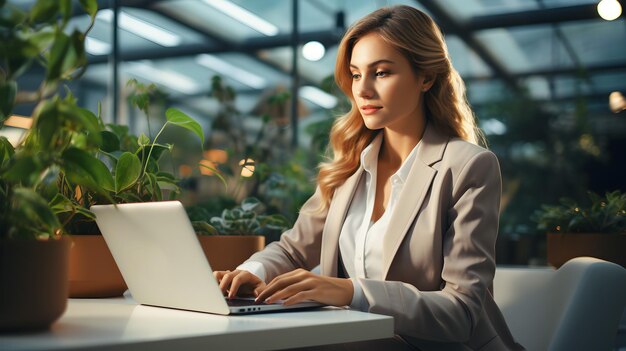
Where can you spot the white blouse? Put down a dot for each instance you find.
(361, 240)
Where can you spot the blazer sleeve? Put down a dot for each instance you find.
(298, 247)
(452, 313)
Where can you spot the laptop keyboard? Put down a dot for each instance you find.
(243, 302)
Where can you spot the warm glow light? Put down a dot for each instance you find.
(247, 167)
(18, 125)
(617, 103)
(313, 51)
(609, 9)
(185, 171)
(216, 155)
(205, 170)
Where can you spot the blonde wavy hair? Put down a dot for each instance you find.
(420, 40)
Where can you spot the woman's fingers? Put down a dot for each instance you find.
(225, 280)
(238, 282)
(300, 285)
(281, 282)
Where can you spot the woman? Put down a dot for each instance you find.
(405, 216)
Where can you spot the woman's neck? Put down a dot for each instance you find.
(398, 144)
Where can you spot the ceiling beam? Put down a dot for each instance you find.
(532, 17)
(571, 71)
(449, 25)
(252, 45)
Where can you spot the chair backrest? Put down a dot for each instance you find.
(577, 307)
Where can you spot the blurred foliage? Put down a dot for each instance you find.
(63, 136)
(248, 218)
(605, 214)
(261, 163)
(129, 166)
(542, 156)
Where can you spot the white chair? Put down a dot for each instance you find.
(577, 307)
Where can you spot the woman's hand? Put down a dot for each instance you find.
(239, 283)
(300, 285)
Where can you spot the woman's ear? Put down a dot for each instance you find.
(427, 83)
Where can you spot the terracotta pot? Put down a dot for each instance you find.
(33, 283)
(93, 271)
(226, 252)
(563, 247)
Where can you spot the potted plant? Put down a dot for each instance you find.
(239, 232)
(134, 175)
(33, 247)
(596, 229)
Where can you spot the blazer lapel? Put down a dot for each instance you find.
(334, 221)
(417, 185)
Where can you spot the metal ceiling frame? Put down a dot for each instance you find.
(464, 29)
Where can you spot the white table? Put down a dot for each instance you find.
(121, 324)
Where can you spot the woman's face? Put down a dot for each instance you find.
(385, 88)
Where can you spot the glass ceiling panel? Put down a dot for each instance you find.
(597, 42)
(469, 8)
(465, 60)
(482, 91)
(526, 49)
(130, 38)
(312, 71)
(208, 19)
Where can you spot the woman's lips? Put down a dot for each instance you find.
(370, 109)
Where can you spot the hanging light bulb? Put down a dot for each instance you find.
(609, 9)
(313, 51)
(617, 103)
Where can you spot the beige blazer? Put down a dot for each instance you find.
(439, 249)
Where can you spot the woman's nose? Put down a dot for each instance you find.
(364, 90)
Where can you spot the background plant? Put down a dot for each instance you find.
(133, 172)
(602, 214)
(60, 142)
(248, 218)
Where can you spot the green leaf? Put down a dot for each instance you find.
(204, 228)
(250, 203)
(8, 90)
(11, 16)
(40, 41)
(44, 11)
(6, 151)
(110, 141)
(76, 56)
(65, 8)
(33, 208)
(181, 119)
(216, 173)
(143, 140)
(57, 58)
(84, 169)
(61, 204)
(166, 177)
(155, 190)
(24, 169)
(46, 124)
(127, 171)
(90, 6)
(83, 120)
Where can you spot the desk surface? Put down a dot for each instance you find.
(121, 324)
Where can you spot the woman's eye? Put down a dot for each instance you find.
(381, 74)
(356, 76)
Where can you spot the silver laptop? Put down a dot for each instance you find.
(162, 262)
